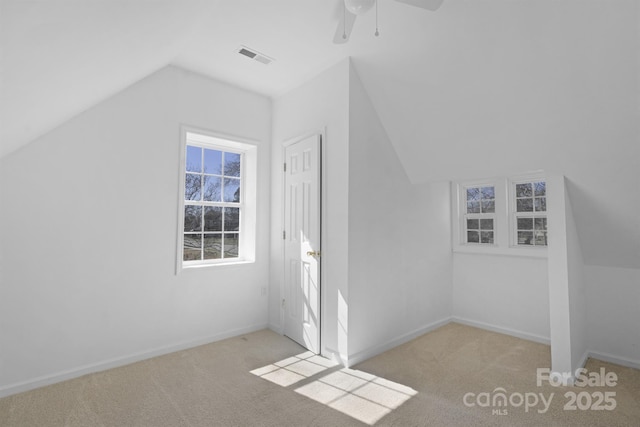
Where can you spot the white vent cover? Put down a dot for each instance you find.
(255, 55)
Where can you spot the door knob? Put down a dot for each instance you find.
(313, 253)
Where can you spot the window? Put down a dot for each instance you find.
(217, 201)
(501, 216)
(530, 213)
(211, 204)
(480, 206)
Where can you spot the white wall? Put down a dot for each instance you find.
(88, 222)
(567, 297)
(387, 269)
(399, 240)
(321, 104)
(508, 294)
(613, 315)
(557, 80)
(577, 289)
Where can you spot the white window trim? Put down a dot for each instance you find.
(503, 224)
(248, 213)
(513, 232)
(464, 215)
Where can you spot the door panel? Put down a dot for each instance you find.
(302, 243)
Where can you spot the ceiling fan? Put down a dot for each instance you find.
(352, 8)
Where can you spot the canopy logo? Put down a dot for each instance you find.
(499, 400)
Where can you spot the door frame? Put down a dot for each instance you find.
(321, 134)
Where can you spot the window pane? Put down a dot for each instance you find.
(486, 224)
(523, 190)
(194, 159)
(488, 206)
(525, 223)
(473, 224)
(192, 218)
(486, 237)
(488, 193)
(473, 236)
(473, 207)
(212, 185)
(212, 161)
(212, 218)
(541, 238)
(541, 224)
(473, 194)
(231, 164)
(524, 205)
(212, 246)
(525, 237)
(231, 190)
(541, 204)
(540, 188)
(192, 247)
(231, 219)
(231, 245)
(192, 186)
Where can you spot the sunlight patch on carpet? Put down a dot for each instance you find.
(294, 369)
(360, 395)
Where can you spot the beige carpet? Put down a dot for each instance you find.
(421, 383)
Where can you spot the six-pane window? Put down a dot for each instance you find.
(479, 218)
(531, 213)
(212, 204)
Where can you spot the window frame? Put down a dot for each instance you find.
(504, 224)
(514, 214)
(479, 216)
(248, 197)
(221, 204)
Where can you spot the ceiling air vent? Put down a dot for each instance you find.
(253, 54)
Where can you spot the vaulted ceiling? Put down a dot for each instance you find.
(63, 56)
(474, 89)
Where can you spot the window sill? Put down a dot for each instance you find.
(216, 264)
(539, 252)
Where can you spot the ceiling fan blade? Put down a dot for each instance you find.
(344, 28)
(424, 4)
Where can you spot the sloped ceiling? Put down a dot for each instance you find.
(475, 89)
(60, 57)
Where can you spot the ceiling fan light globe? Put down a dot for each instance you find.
(358, 7)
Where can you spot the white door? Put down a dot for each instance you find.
(301, 299)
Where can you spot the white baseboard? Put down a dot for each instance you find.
(583, 360)
(622, 361)
(604, 357)
(277, 328)
(356, 358)
(502, 330)
(374, 351)
(120, 361)
(572, 378)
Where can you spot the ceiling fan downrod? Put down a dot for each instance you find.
(344, 20)
(377, 33)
